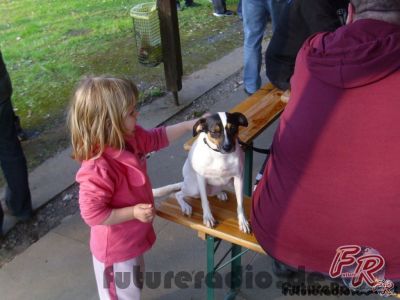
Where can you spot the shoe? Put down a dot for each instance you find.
(191, 4)
(7, 211)
(247, 92)
(22, 136)
(4, 206)
(25, 218)
(20, 132)
(227, 13)
(281, 270)
(285, 96)
(1, 228)
(260, 173)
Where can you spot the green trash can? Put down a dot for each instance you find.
(147, 33)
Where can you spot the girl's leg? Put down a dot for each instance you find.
(121, 281)
(129, 287)
(102, 275)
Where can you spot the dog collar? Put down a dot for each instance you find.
(205, 142)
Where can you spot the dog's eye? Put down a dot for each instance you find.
(233, 128)
(215, 134)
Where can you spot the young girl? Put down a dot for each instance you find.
(115, 195)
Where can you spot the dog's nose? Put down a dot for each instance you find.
(227, 147)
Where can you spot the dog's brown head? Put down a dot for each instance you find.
(221, 130)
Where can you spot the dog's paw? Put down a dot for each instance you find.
(186, 209)
(244, 224)
(209, 220)
(222, 196)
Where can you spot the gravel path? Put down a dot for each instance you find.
(66, 203)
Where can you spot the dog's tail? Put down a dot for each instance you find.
(166, 190)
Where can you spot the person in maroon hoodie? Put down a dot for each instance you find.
(333, 176)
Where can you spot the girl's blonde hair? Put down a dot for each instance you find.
(96, 115)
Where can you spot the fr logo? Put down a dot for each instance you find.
(361, 268)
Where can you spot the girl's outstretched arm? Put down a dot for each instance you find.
(174, 132)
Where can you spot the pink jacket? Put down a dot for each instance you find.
(114, 180)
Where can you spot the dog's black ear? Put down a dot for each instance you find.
(240, 119)
(200, 126)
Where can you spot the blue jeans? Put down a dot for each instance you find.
(255, 17)
(239, 9)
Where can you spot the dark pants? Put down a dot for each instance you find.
(282, 85)
(187, 2)
(219, 6)
(12, 159)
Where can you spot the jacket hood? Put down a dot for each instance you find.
(356, 54)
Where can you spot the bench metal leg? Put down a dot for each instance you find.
(210, 266)
(248, 172)
(236, 265)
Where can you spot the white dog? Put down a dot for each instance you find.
(214, 161)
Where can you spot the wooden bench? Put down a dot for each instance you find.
(225, 212)
(261, 109)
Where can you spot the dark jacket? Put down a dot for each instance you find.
(299, 20)
(5, 82)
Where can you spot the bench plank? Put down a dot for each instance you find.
(260, 109)
(223, 211)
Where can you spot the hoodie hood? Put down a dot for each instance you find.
(354, 55)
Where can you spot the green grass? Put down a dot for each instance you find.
(48, 45)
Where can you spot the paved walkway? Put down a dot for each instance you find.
(58, 266)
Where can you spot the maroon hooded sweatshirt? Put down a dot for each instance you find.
(333, 176)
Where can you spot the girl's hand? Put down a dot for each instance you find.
(174, 132)
(206, 114)
(143, 212)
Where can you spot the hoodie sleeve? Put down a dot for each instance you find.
(151, 140)
(96, 189)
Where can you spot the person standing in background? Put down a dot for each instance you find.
(13, 163)
(299, 20)
(255, 17)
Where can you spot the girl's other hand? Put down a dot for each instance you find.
(144, 212)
